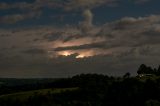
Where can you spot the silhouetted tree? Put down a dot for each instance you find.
(142, 69)
(127, 75)
(158, 70)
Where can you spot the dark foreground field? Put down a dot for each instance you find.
(81, 90)
(84, 90)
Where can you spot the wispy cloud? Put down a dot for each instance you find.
(11, 19)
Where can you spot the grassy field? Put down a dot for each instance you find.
(22, 96)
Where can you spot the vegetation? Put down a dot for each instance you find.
(143, 69)
(87, 90)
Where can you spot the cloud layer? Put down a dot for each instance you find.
(118, 45)
(50, 50)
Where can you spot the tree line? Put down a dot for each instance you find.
(143, 69)
(98, 90)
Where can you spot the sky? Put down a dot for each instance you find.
(62, 38)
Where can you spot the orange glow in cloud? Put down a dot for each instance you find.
(85, 54)
(65, 53)
(76, 42)
(80, 56)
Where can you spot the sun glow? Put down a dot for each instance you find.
(66, 53)
(80, 56)
(84, 54)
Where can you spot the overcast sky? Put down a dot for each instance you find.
(62, 38)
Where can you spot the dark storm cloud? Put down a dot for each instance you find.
(71, 38)
(152, 32)
(116, 47)
(132, 28)
(11, 19)
(68, 66)
(99, 45)
(66, 4)
(29, 11)
(34, 51)
(83, 4)
(53, 36)
(141, 1)
(37, 6)
(86, 46)
(127, 32)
